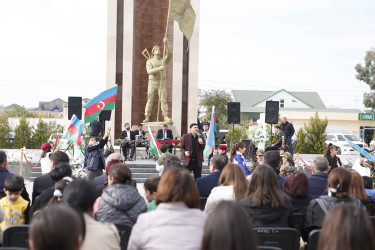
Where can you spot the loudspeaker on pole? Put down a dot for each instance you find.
(272, 112)
(234, 112)
(74, 107)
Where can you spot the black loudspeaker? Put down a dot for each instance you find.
(272, 112)
(105, 115)
(74, 107)
(234, 112)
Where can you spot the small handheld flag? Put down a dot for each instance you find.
(74, 132)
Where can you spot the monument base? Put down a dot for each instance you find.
(161, 123)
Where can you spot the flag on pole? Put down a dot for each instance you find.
(154, 145)
(360, 150)
(183, 13)
(210, 142)
(74, 132)
(103, 101)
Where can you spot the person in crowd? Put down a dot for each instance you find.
(357, 190)
(346, 227)
(207, 183)
(331, 154)
(81, 195)
(58, 228)
(283, 149)
(288, 130)
(339, 181)
(192, 146)
(236, 157)
(140, 132)
(128, 142)
(229, 227)
(369, 187)
(279, 141)
(272, 159)
(14, 207)
(165, 134)
(120, 201)
(4, 174)
(96, 128)
(94, 160)
(259, 160)
(296, 188)
(44, 182)
(205, 131)
(232, 186)
(114, 158)
(287, 168)
(363, 166)
(266, 204)
(161, 160)
(172, 161)
(150, 186)
(61, 171)
(318, 181)
(222, 150)
(204, 121)
(178, 222)
(58, 192)
(45, 162)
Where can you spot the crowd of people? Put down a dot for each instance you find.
(182, 210)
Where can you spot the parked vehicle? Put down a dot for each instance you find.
(344, 147)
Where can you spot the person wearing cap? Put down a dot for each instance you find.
(222, 150)
(207, 183)
(45, 162)
(259, 161)
(283, 149)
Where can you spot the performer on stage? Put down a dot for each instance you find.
(156, 68)
(279, 142)
(165, 134)
(128, 141)
(192, 146)
(140, 131)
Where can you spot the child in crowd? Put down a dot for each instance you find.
(369, 187)
(161, 161)
(222, 150)
(45, 162)
(13, 205)
(94, 161)
(236, 156)
(150, 186)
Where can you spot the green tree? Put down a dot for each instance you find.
(4, 132)
(366, 74)
(239, 134)
(18, 111)
(219, 99)
(41, 134)
(315, 136)
(23, 134)
(301, 142)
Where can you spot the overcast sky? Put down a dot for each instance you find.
(51, 49)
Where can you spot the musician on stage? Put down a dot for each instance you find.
(140, 131)
(165, 134)
(127, 138)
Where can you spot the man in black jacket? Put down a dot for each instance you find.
(43, 182)
(165, 134)
(288, 130)
(279, 141)
(272, 159)
(128, 142)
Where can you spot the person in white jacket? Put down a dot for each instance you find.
(363, 166)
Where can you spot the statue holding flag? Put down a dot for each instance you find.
(156, 69)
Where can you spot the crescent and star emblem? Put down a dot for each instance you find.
(101, 105)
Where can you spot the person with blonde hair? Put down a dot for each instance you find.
(232, 186)
(357, 190)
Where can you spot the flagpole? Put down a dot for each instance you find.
(161, 74)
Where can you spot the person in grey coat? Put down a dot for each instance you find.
(120, 202)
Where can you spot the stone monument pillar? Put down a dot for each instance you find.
(134, 25)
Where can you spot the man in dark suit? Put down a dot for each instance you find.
(279, 141)
(128, 142)
(140, 131)
(192, 146)
(165, 134)
(4, 173)
(272, 159)
(45, 181)
(207, 183)
(319, 180)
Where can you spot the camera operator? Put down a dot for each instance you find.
(363, 166)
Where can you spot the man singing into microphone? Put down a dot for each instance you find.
(192, 146)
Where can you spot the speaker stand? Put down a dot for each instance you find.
(232, 136)
(271, 135)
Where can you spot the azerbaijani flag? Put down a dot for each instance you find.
(74, 132)
(103, 101)
(210, 142)
(154, 144)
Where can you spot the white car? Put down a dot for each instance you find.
(62, 144)
(344, 146)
